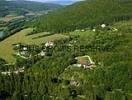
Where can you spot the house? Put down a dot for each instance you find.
(90, 60)
(85, 62)
(83, 30)
(21, 70)
(49, 44)
(6, 73)
(94, 30)
(115, 29)
(70, 45)
(17, 45)
(77, 65)
(103, 25)
(77, 30)
(42, 53)
(16, 72)
(23, 53)
(74, 83)
(25, 48)
(18, 54)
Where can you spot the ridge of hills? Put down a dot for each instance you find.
(85, 14)
(24, 7)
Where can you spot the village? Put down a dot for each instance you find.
(24, 51)
(101, 27)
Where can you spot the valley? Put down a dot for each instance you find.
(81, 51)
(22, 37)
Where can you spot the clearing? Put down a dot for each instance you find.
(6, 48)
(10, 17)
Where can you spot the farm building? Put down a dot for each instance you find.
(85, 62)
(49, 44)
(42, 53)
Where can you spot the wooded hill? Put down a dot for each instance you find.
(85, 14)
(22, 7)
(50, 78)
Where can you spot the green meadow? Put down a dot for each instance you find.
(6, 46)
(10, 17)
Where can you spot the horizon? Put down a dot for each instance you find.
(61, 2)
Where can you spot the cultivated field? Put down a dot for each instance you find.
(10, 17)
(6, 48)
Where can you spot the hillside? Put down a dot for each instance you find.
(14, 14)
(85, 14)
(22, 37)
(80, 52)
(21, 7)
(57, 75)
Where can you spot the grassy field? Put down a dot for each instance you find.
(10, 17)
(80, 33)
(6, 48)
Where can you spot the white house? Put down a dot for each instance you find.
(23, 53)
(103, 25)
(42, 53)
(49, 44)
(77, 65)
(77, 30)
(16, 72)
(82, 30)
(18, 54)
(17, 45)
(25, 48)
(85, 63)
(94, 30)
(74, 83)
(6, 73)
(115, 29)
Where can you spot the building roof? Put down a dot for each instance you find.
(49, 44)
(103, 25)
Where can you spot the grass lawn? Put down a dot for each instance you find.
(6, 48)
(85, 33)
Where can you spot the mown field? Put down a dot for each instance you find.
(6, 46)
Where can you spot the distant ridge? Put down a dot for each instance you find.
(85, 14)
(61, 2)
(21, 7)
(64, 2)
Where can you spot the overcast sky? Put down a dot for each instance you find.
(53, 0)
(63, 2)
(57, 1)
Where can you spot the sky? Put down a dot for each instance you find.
(62, 2)
(66, 2)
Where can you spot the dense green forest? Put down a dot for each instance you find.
(85, 14)
(100, 29)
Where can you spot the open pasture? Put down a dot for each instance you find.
(6, 46)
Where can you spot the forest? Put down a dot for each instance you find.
(85, 14)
